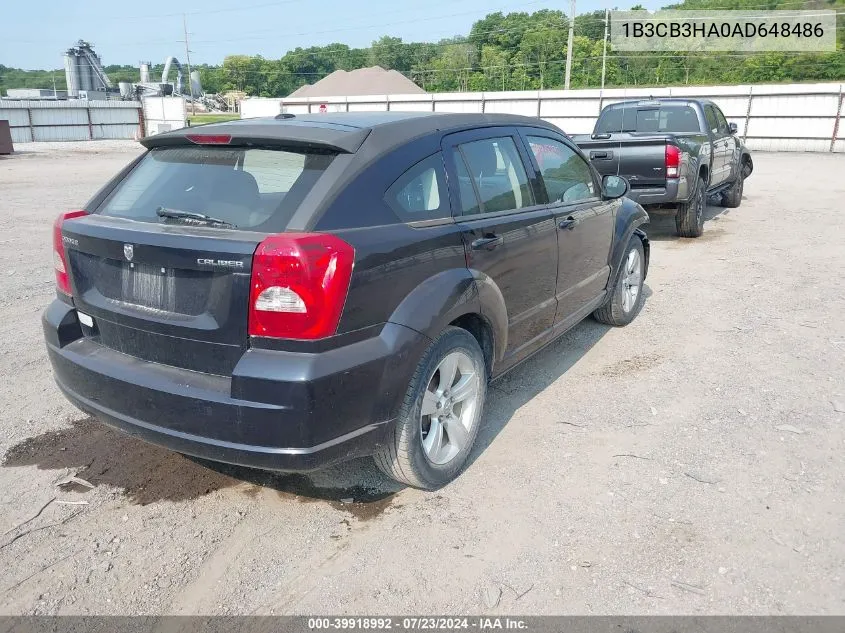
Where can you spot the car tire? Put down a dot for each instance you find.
(732, 196)
(689, 221)
(411, 454)
(626, 298)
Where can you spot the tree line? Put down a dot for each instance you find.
(514, 51)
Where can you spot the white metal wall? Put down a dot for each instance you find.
(785, 117)
(75, 120)
(162, 114)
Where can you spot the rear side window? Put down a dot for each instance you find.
(420, 193)
(712, 119)
(670, 119)
(466, 188)
(250, 188)
(566, 175)
(720, 119)
(496, 170)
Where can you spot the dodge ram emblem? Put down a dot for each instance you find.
(128, 252)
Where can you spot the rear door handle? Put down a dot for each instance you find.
(569, 223)
(487, 243)
(602, 155)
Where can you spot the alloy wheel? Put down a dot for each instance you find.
(632, 280)
(448, 407)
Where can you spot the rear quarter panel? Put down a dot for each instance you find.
(630, 217)
(696, 151)
(394, 260)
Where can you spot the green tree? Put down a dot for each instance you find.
(513, 51)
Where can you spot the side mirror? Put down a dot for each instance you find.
(613, 187)
(733, 128)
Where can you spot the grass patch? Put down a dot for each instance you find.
(200, 119)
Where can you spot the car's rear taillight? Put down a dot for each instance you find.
(673, 161)
(59, 254)
(299, 285)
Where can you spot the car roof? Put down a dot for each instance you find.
(347, 131)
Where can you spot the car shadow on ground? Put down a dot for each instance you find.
(661, 227)
(145, 473)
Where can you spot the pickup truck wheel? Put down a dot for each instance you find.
(626, 299)
(438, 423)
(732, 196)
(689, 221)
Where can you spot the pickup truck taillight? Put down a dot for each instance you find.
(299, 285)
(673, 161)
(59, 254)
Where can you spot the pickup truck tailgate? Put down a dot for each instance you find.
(641, 160)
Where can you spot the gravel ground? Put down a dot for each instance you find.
(691, 463)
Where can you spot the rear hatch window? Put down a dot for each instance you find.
(249, 188)
(668, 119)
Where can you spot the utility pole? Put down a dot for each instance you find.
(604, 52)
(188, 60)
(569, 44)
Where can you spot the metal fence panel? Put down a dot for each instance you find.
(733, 107)
(788, 145)
(794, 105)
(59, 117)
(411, 106)
(72, 120)
(14, 116)
(61, 133)
(457, 102)
(524, 107)
(115, 131)
(367, 106)
(791, 127)
(21, 134)
(783, 117)
(113, 116)
(571, 125)
(570, 107)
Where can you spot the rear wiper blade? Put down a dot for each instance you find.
(164, 212)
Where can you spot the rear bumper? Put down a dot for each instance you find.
(279, 410)
(656, 195)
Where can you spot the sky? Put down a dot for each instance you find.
(34, 34)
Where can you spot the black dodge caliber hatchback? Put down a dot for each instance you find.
(292, 292)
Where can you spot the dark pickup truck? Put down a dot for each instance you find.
(675, 153)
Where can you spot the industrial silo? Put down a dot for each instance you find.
(126, 90)
(145, 73)
(196, 86)
(83, 68)
(71, 74)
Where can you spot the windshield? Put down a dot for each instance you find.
(235, 187)
(670, 119)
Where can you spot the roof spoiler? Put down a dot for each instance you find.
(302, 137)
